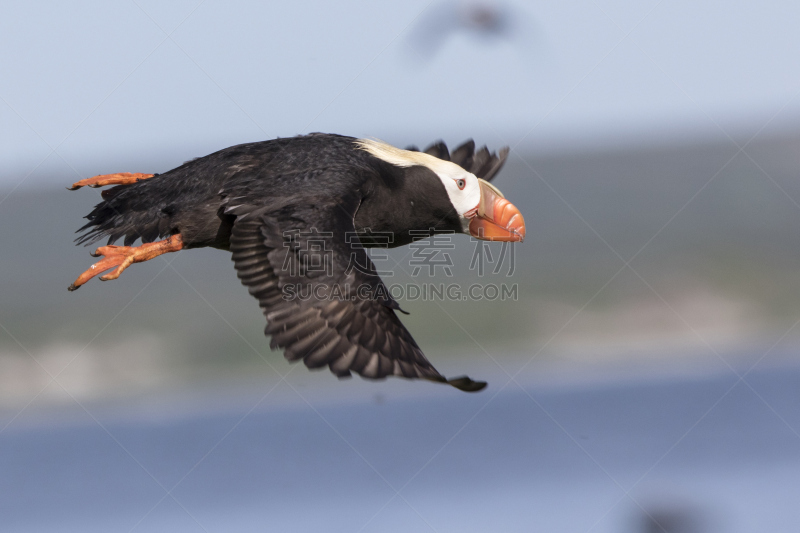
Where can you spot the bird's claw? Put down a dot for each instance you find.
(120, 178)
(122, 257)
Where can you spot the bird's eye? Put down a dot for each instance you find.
(461, 184)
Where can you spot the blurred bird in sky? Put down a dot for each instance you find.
(481, 20)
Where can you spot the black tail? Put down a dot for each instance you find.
(131, 211)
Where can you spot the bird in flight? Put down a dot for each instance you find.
(298, 214)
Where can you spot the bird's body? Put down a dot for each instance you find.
(313, 169)
(297, 213)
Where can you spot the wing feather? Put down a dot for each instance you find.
(362, 335)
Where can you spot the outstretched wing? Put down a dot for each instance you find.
(483, 164)
(322, 298)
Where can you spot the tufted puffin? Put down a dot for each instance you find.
(285, 205)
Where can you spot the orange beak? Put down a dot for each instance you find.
(496, 218)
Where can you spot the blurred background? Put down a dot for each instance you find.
(646, 379)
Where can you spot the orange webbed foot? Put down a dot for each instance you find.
(120, 178)
(122, 257)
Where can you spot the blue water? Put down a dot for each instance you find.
(697, 454)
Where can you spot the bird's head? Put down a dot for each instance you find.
(482, 209)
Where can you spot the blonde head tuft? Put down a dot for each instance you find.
(407, 158)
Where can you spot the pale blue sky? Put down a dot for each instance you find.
(103, 84)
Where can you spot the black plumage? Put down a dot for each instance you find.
(269, 203)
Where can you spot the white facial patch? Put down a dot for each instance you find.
(463, 200)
